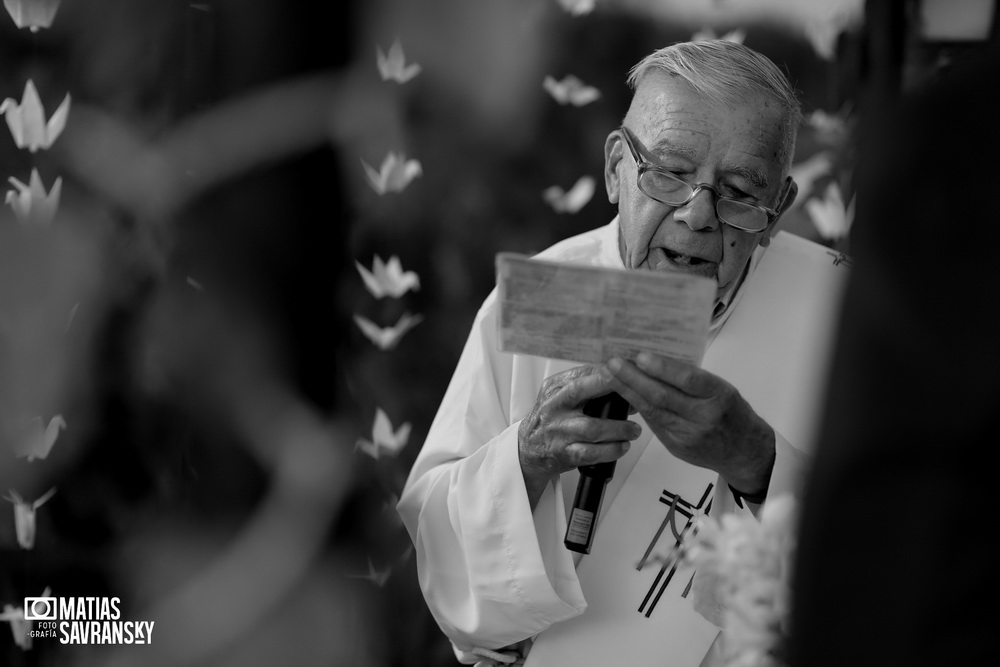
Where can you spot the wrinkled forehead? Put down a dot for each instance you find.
(667, 109)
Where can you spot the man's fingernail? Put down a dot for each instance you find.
(615, 364)
(644, 359)
(626, 446)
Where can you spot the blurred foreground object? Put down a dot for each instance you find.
(751, 560)
(893, 556)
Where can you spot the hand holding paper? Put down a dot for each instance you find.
(590, 314)
(699, 417)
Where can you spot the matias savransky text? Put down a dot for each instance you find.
(84, 620)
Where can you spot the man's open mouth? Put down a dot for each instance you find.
(686, 260)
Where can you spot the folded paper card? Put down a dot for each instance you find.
(591, 314)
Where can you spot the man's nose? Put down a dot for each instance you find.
(699, 212)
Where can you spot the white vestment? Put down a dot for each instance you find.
(494, 573)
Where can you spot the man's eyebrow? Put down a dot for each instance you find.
(757, 177)
(668, 146)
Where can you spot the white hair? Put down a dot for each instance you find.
(729, 73)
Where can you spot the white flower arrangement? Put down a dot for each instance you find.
(751, 563)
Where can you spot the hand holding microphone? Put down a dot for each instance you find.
(576, 422)
(593, 480)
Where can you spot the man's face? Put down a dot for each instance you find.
(736, 149)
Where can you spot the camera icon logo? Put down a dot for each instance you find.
(40, 609)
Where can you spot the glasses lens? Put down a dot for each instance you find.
(742, 215)
(664, 188)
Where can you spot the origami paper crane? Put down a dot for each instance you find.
(707, 34)
(386, 339)
(384, 438)
(377, 577)
(831, 128)
(24, 516)
(32, 205)
(33, 14)
(570, 90)
(577, 7)
(394, 175)
(27, 119)
(806, 173)
(834, 18)
(20, 627)
(831, 217)
(393, 64)
(572, 201)
(37, 441)
(388, 278)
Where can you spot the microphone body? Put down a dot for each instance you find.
(593, 480)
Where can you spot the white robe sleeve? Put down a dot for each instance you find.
(789, 469)
(492, 573)
(786, 475)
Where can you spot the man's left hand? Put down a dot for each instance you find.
(700, 418)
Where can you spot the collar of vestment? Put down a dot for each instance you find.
(725, 303)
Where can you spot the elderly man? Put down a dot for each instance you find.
(699, 173)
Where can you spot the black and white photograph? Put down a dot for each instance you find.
(545, 333)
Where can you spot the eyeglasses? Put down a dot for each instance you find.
(659, 184)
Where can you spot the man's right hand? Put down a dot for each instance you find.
(556, 436)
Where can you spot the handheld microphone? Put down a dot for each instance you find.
(593, 480)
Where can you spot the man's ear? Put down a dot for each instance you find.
(613, 148)
(791, 192)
